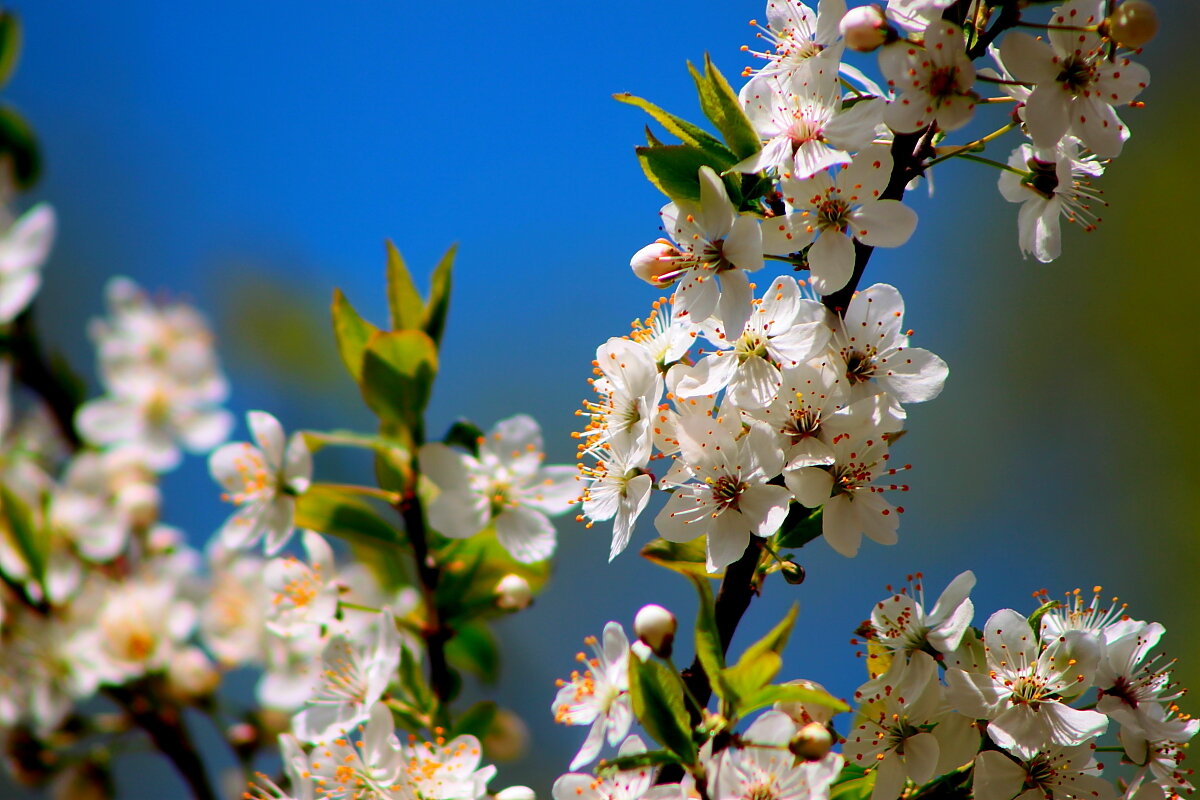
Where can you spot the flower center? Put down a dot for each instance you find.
(943, 83)
(833, 214)
(860, 366)
(1077, 74)
(727, 490)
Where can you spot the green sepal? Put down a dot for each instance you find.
(397, 378)
(473, 649)
(465, 434)
(656, 694)
(352, 333)
(800, 527)
(720, 104)
(406, 310)
(686, 558)
(335, 512)
(413, 686)
(433, 321)
(1035, 619)
(654, 758)
(786, 693)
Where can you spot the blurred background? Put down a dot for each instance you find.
(252, 156)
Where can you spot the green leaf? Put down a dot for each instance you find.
(800, 527)
(335, 512)
(776, 639)
(686, 558)
(720, 104)
(787, 693)
(1035, 619)
(854, 783)
(656, 694)
(18, 142)
(414, 686)
(30, 542)
(686, 131)
(474, 650)
(476, 721)
(674, 169)
(434, 320)
(748, 676)
(654, 758)
(471, 568)
(10, 45)
(708, 638)
(397, 379)
(352, 333)
(319, 440)
(405, 306)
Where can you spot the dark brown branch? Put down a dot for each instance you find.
(435, 633)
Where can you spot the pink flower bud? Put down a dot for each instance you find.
(865, 28)
(1133, 24)
(654, 261)
(513, 593)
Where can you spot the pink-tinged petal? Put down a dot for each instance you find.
(1011, 185)
(1039, 229)
(780, 305)
(268, 433)
(202, 430)
(811, 486)
(1095, 122)
(1120, 83)
(616, 643)
(743, 246)
(949, 632)
(810, 452)
(458, 513)
(772, 728)
(234, 464)
(909, 112)
(627, 365)
(914, 375)
(278, 520)
(239, 531)
(971, 693)
(868, 175)
(942, 40)
(1047, 114)
(1027, 59)
(1065, 37)
(591, 746)
(734, 302)
(953, 596)
(802, 341)
(765, 507)
(684, 517)
(445, 467)
(16, 291)
(775, 153)
(716, 212)
(877, 517)
(784, 235)
(553, 490)
(526, 534)
(884, 223)
(106, 421)
(958, 742)
(997, 777)
(1020, 730)
(956, 111)
(577, 786)
(876, 314)
(889, 777)
(831, 261)
(27, 243)
(637, 495)
(710, 375)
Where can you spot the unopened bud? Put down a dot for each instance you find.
(513, 593)
(654, 261)
(516, 793)
(1133, 24)
(241, 734)
(813, 742)
(792, 572)
(804, 713)
(655, 626)
(140, 501)
(508, 738)
(865, 28)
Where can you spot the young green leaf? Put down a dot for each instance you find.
(335, 512)
(434, 320)
(352, 333)
(708, 638)
(10, 45)
(654, 758)
(800, 527)
(31, 543)
(788, 693)
(477, 720)
(473, 649)
(721, 105)
(748, 676)
(397, 379)
(686, 558)
(674, 169)
(657, 697)
(686, 131)
(19, 143)
(405, 306)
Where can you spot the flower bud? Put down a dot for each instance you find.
(140, 501)
(516, 793)
(865, 28)
(508, 738)
(654, 261)
(813, 742)
(513, 593)
(805, 713)
(1133, 24)
(655, 626)
(792, 572)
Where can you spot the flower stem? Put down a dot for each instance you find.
(435, 632)
(980, 142)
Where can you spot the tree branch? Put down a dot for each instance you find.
(435, 633)
(163, 723)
